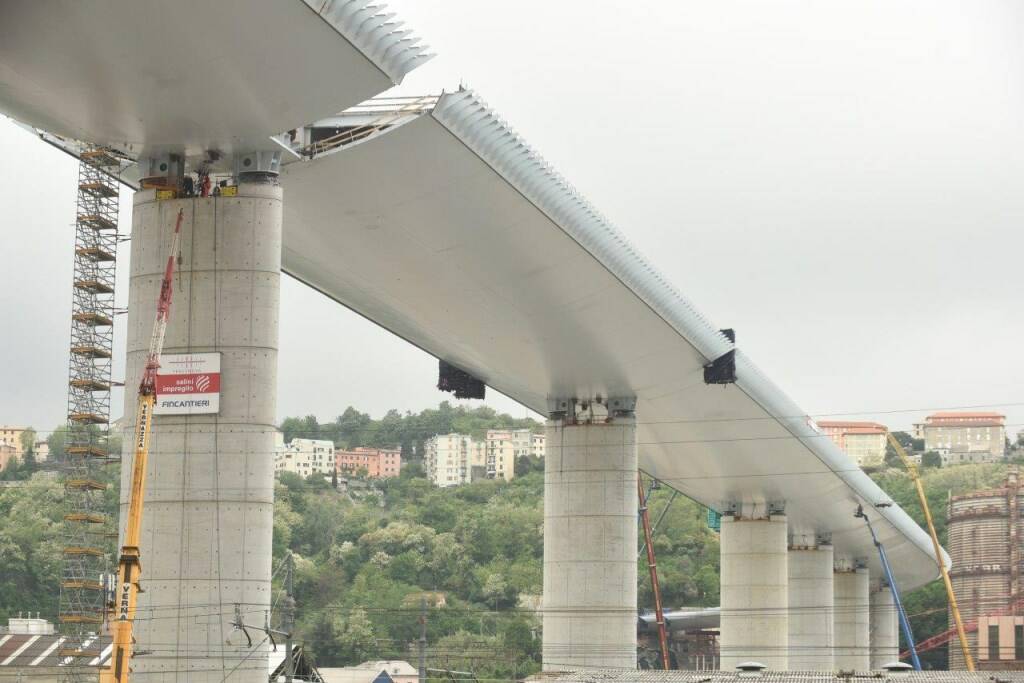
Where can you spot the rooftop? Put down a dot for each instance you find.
(966, 416)
(855, 427)
(653, 676)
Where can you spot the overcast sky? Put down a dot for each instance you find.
(842, 182)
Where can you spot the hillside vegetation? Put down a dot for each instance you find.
(364, 558)
(407, 431)
(366, 561)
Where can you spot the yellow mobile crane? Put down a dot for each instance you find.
(129, 564)
(916, 478)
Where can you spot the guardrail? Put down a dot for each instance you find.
(389, 111)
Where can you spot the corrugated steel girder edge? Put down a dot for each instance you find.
(769, 396)
(370, 28)
(468, 117)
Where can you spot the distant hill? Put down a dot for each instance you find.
(364, 560)
(405, 430)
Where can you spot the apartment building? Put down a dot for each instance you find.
(504, 447)
(865, 442)
(453, 459)
(965, 437)
(11, 436)
(376, 463)
(305, 457)
(449, 459)
(41, 451)
(538, 444)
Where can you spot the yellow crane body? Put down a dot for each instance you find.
(130, 563)
(953, 608)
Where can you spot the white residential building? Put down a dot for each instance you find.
(538, 443)
(449, 458)
(305, 457)
(504, 447)
(41, 451)
(453, 459)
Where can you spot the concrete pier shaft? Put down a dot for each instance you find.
(810, 605)
(852, 624)
(590, 544)
(754, 591)
(208, 522)
(885, 630)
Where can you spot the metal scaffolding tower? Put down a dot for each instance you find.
(86, 447)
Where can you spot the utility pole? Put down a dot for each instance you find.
(652, 566)
(423, 639)
(288, 617)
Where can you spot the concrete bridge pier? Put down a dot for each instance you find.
(590, 541)
(885, 633)
(810, 603)
(754, 588)
(852, 623)
(206, 532)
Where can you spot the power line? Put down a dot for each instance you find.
(850, 413)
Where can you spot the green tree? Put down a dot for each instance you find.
(55, 442)
(30, 547)
(931, 459)
(28, 441)
(356, 640)
(351, 428)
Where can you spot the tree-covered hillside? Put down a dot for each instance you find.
(366, 556)
(407, 431)
(365, 561)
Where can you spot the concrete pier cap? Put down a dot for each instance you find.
(754, 586)
(590, 536)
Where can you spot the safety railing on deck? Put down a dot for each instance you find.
(387, 112)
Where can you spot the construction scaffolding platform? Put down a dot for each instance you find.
(90, 385)
(98, 189)
(92, 318)
(85, 485)
(94, 618)
(84, 517)
(90, 654)
(100, 158)
(95, 254)
(92, 451)
(91, 351)
(87, 528)
(73, 550)
(85, 418)
(95, 286)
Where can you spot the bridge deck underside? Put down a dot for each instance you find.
(420, 230)
(147, 77)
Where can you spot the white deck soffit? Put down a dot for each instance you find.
(453, 234)
(145, 77)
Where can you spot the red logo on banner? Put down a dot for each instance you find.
(200, 383)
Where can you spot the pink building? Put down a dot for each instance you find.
(378, 463)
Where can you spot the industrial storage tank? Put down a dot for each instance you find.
(984, 545)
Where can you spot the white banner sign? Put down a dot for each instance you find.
(188, 384)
